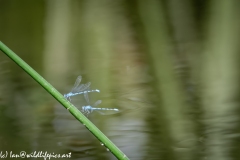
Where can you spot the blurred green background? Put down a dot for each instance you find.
(170, 66)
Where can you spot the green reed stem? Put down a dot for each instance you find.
(70, 107)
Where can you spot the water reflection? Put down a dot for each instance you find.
(32, 120)
(121, 128)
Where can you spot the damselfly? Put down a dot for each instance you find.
(89, 109)
(79, 89)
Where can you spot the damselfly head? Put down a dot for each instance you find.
(67, 97)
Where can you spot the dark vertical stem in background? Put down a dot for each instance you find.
(98, 30)
(97, 17)
(220, 78)
(57, 27)
(187, 55)
(177, 125)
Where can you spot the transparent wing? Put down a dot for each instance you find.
(87, 85)
(100, 112)
(97, 103)
(77, 82)
(86, 97)
(82, 87)
(78, 89)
